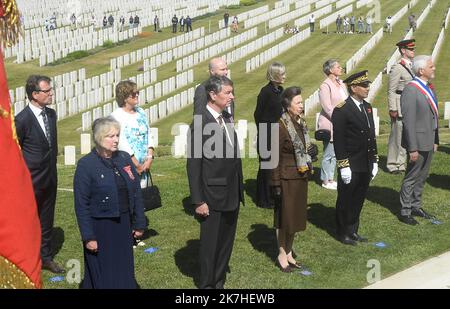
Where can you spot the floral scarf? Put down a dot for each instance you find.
(302, 158)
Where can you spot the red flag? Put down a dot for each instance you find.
(20, 231)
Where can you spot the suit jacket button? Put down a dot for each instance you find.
(362, 131)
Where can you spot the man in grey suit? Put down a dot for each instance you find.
(214, 171)
(400, 75)
(420, 137)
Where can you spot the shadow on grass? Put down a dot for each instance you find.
(57, 239)
(250, 189)
(187, 260)
(316, 176)
(385, 197)
(382, 163)
(263, 239)
(439, 181)
(149, 233)
(323, 218)
(444, 149)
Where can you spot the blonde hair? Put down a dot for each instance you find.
(102, 126)
(275, 71)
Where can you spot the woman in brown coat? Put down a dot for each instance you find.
(290, 178)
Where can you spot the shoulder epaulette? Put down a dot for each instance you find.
(340, 104)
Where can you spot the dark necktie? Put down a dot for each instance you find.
(363, 111)
(46, 126)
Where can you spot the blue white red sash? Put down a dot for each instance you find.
(426, 91)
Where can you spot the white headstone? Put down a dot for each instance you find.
(69, 155)
(85, 143)
(447, 110)
(154, 137)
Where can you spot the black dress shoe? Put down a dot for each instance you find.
(346, 240)
(408, 220)
(357, 237)
(53, 267)
(421, 213)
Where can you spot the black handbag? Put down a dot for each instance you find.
(151, 195)
(322, 135)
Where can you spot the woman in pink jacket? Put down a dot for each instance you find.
(332, 92)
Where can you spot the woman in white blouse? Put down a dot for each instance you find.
(135, 130)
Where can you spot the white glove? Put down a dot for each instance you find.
(374, 170)
(346, 175)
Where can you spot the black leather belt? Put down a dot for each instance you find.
(398, 91)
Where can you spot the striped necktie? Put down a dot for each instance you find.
(46, 126)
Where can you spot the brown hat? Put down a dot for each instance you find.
(408, 44)
(358, 78)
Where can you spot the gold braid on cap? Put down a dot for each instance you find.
(343, 163)
(359, 80)
(10, 27)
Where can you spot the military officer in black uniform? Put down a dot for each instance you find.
(356, 154)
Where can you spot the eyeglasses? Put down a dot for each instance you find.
(45, 91)
(134, 94)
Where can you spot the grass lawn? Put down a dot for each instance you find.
(175, 232)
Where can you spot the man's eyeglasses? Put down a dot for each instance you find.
(134, 94)
(45, 91)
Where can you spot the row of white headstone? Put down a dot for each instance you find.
(317, 14)
(214, 50)
(50, 48)
(244, 131)
(364, 50)
(425, 13)
(263, 57)
(186, 49)
(251, 47)
(438, 45)
(324, 2)
(155, 49)
(144, 79)
(154, 113)
(447, 18)
(85, 43)
(361, 3)
(36, 12)
(342, 3)
(148, 94)
(245, 15)
(86, 146)
(324, 22)
(280, 20)
(171, 105)
(265, 17)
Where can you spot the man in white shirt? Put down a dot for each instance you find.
(36, 132)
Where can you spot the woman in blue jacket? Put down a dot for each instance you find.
(109, 210)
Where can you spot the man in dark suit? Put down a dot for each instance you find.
(356, 154)
(420, 137)
(36, 131)
(215, 179)
(216, 67)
